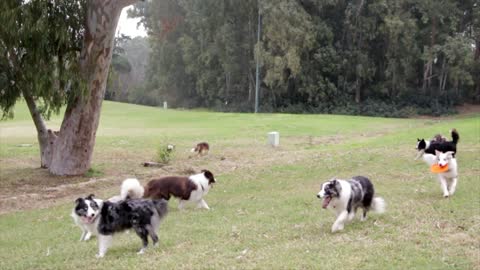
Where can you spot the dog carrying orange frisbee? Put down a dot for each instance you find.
(435, 168)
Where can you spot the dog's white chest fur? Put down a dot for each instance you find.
(197, 195)
(337, 205)
(202, 187)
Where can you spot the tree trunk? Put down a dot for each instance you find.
(357, 91)
(251, 85)
(46, 138)
(73, 148)
(476, 58)
(445, 79)
(443, 76)
(428, 70)
(426, 74)
(393, 89)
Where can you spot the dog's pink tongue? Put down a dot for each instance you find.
(87, 219)
(326, 201)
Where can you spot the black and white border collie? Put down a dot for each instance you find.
(85, 214)
(187, 189)
(438, 143)
(106, 218)
(344, 197)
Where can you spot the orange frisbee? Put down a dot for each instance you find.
(435, 168)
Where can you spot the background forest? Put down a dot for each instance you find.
(369, 57)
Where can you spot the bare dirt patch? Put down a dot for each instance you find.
(25, 186)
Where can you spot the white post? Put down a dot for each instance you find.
(164, 105)
(274, 138)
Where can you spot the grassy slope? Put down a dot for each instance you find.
(266, 216)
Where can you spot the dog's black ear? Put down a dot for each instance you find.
(90, 197)
(209, 176)
(338, 186)
(78, 200)
(418, 140)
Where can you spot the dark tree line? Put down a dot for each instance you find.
(384, 57)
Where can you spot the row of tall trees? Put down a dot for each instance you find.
(347, 56)
(127, 73)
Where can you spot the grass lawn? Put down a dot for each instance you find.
(265, 214)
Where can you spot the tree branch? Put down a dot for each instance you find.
(36, 116)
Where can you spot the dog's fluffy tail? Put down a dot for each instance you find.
(132, 189)
(161, 206)
(455, 136)
(378, 205)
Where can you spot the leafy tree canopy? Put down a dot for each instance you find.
(40, 43)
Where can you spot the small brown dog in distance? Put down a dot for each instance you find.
(201, 148)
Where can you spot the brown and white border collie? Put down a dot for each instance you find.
(201, 148)
(192, 188)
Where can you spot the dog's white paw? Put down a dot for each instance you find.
(334, 230)
(87, 237)
(141, 251)
(99, 256)
(337, 228)
(362, 218)
(446, 195)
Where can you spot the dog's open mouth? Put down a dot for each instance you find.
(88, 219)
(326, 201)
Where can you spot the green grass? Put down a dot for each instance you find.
(265, 214)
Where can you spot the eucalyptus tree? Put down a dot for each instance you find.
(56, 53)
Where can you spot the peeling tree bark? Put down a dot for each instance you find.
(73, 148)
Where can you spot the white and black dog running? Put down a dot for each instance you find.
(85, 215)
(87, 209)
(105, 218)
(448, 180)
(344, 197)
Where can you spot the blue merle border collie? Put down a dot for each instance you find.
(344, 197)
(438, 143)
(106, 218)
